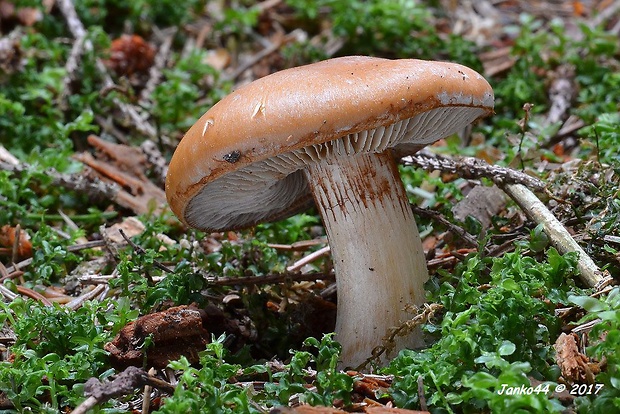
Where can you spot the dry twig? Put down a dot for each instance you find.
(324, 251)
(558, 235)
(95, 191)
(125, 383)
(160, 62)
(472, 168)
(515, 184)
(268, 279)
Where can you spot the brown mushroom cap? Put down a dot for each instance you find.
(242, 162)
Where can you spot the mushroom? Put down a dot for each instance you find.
(331, 131)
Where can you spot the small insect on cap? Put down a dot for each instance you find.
(242, 162)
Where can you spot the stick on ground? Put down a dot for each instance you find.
(559, 236)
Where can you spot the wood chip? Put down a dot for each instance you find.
(574, 365)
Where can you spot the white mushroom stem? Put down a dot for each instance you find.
(377, 252)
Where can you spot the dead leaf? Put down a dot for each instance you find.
(219, 59)
(482, 203)
(131, 226)
(28, 16)
(7, 240)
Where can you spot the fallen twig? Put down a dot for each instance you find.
(299, 245)
(156, 160)
(422, 315)
(433, 215)
(558, 235)
(146, 396)
(125, 383)
(267, 279)
(324, 251)
(33, 295)
(80, 183)
(79, 301)
(141, 251)
(421, 396)
(472, 168)
(273, 47)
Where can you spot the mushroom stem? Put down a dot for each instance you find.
(377, 253)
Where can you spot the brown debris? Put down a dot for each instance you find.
(131, 226)
(15, 241)
(575, 366)
(175, 332)
(125, 165)
(497, 61)
(130, 54)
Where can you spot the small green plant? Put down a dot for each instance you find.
(190, 80)
(388, 28)
(140, 14)
(603, 136)
(509, 389)
(208, 386)
(51, 260)
(207, 389)
(287, 231)
(497, 328)
(56, 349)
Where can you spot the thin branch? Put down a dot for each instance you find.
(159, 63)
(472, 168)
(156, 159)
(558, 235)
(125, 383)
(433, 215)
(76, 303)
(273, 47)
(309, 258)
(80, 183)
(139, 250)
(268, 279)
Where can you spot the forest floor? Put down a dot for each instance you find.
(110, 304)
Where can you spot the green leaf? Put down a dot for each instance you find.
(506, 348)
(588, 303)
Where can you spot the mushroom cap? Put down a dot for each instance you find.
(242, 162)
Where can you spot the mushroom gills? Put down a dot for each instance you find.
(274, 188)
